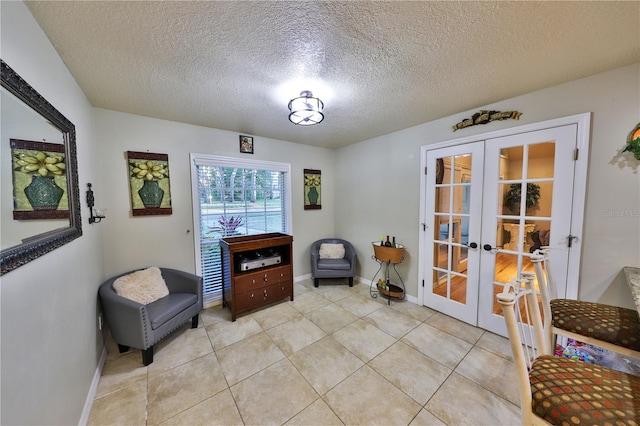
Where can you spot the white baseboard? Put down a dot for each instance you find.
(88, 404)
(302, 278)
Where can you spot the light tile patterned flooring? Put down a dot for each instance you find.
(333, 356)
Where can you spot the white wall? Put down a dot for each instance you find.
(50, 344)
(135, 242)
(380, 180)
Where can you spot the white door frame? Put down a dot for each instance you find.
(583, 122)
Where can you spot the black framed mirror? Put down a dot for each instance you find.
(34, 231)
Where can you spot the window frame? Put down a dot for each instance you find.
(234, 162)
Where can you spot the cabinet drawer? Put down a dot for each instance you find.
(261, 279)
(280, 290)
(262, 296)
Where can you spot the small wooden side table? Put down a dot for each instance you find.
(387, 258)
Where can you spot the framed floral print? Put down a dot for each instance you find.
(39, 180)
(149, 183)
(312, 189)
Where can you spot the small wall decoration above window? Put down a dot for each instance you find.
(484, 117)
(149, 181)
(39, 180)
(246, 144)
(633, 142)
(312, 189)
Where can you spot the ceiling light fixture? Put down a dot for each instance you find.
(306, 110)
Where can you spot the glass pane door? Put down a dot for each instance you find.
(527, 199)
(456, 193)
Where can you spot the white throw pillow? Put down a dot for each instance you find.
(144, 286)
(331, 251)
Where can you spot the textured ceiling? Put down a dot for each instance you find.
(378, 66)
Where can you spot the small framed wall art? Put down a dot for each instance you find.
(149, 182)
(246, 144)
(312, 189)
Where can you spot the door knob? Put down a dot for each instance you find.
(473, 245)
(487, 247)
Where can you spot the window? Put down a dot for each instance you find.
(231, 197)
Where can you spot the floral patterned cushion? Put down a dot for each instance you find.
(619, 326)
(569, 392)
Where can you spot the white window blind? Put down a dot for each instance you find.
(233, 197)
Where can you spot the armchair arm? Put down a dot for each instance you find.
(182, 282)
(315, 255)
(350, 255)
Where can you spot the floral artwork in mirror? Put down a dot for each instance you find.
(312, 189)
(35, 140)
(39, 180)
(149, 183)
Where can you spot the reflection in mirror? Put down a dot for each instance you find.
(21, 123)
(37, 144)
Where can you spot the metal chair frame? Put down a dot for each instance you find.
(540, 260)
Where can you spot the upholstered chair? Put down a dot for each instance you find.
(557, 390)
(332, 258)
(140, 325)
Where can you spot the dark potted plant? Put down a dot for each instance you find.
(514, 194)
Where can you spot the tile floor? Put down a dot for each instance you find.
(333, 356)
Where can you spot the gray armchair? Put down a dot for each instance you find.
(333, 268)
(141, 326)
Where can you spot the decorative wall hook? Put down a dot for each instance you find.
(97, 217)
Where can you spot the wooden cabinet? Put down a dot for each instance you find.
(256, 270)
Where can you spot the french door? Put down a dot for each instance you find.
(488, 205)
(456, 197)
